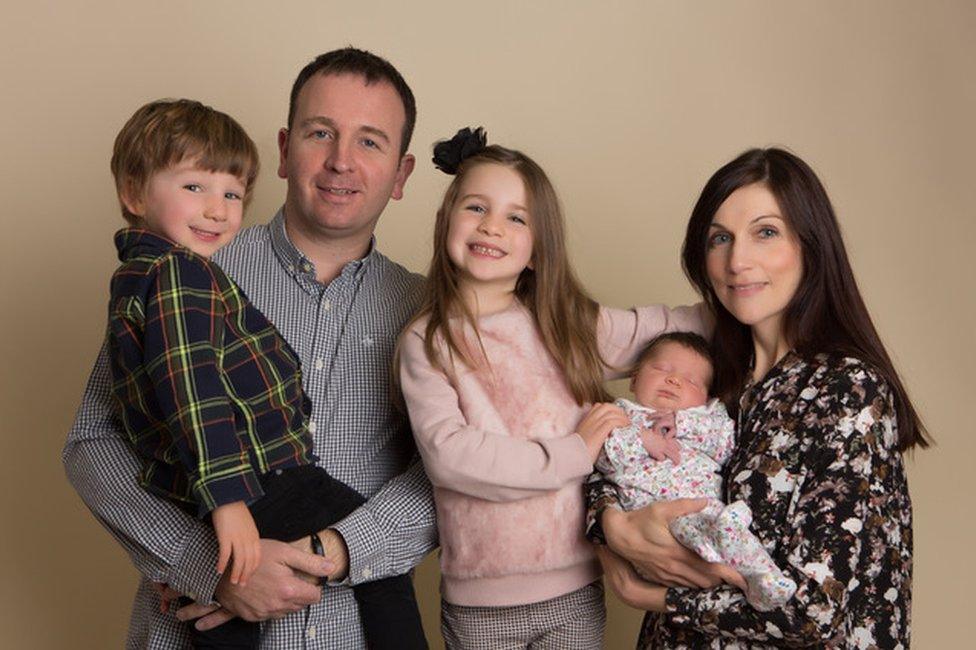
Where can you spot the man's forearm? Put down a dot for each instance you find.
(165, 544)
(393, 531)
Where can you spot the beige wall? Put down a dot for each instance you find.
(628, 105)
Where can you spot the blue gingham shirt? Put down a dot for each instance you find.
(344, 334)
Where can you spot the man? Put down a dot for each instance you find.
(315, 273)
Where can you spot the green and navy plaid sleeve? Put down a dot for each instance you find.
(211, 394)
(183, 358)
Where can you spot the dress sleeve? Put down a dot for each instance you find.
(623, 333)
(848, 504)
(486, 464)
(183, 339)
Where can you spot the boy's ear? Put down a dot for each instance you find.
(133, 200)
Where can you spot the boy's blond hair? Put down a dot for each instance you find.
(166, 132)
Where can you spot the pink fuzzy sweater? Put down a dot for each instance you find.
(500, 448)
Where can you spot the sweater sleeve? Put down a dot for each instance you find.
(843, 505)
(623, 333)
(486, 464)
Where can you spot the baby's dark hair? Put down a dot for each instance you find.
(689, 340)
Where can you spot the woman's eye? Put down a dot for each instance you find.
(718, 239)
(766, 232)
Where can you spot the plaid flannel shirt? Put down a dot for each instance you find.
(209, 391)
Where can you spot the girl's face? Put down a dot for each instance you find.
(753, 259)
(489, 238)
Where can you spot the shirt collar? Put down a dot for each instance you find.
(133, 242)
(298, 264)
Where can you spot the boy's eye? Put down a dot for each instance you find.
(193, 187)
(232, 195)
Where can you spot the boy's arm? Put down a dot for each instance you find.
(164, 543)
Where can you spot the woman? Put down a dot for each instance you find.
(822, 420)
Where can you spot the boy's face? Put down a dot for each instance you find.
(197, 209)
(672, 378)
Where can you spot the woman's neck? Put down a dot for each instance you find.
(769, 346)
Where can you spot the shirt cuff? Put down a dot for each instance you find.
(365, 541)
(195, 572)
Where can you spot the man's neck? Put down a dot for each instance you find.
(328, 254)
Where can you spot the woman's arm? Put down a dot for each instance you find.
(847, 526)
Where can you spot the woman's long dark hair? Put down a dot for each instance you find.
(826, 314)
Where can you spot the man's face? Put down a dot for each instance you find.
(341, 156)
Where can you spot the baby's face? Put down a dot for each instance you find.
(674, 377)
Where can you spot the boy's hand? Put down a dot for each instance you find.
(659, 446)
(238, 538)
(597, 425)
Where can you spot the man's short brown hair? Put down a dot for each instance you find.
(166, 132)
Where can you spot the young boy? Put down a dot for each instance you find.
(673, 374)
(209, 392)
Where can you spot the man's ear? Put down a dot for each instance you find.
(403, 173)
(282, 153)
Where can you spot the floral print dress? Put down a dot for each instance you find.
(817, 462)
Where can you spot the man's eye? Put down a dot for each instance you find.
(320, 134)
(372, 144)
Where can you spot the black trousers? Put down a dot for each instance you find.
(303, 500)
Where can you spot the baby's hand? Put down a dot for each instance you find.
(661, 446)
(239, 541)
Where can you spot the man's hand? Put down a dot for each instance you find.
(642, 537)
(335, 549)
(284, 582)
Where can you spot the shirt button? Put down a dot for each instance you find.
(277, 472)
(326, 304)
(367, 572)
(312, 427)
(311, 632)
(291, 268)
(319, 364)
(306, 267)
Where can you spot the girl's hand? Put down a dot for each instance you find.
(597, 425)
(238, 538)
(642, 537)
(629, 587)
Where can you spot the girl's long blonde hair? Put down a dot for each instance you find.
(566, 317)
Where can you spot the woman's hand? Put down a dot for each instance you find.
(643, 538)
(629, 587)
(597, 425)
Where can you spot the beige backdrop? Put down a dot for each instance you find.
(628, 105)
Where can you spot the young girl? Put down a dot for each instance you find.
(497, 371)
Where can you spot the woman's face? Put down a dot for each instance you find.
(753, 259)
